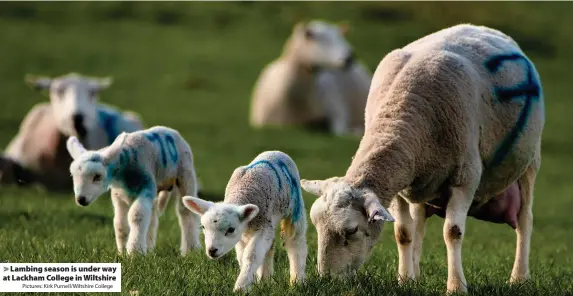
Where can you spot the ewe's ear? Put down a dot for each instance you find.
(312, 186)
(38, 82)
(98, 84)
(75, 148)
(248, 212)
(197, 205)
(375, 210)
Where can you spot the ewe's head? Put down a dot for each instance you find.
(89, 172)
(222, 224)
(348, 222)
(74, 100)
(322, 44)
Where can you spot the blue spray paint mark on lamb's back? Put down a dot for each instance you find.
(164, 144)
(528, 91)
(108, 121)
(295, 193)
(130, 175)
(270, 166)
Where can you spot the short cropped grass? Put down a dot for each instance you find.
(191, 66)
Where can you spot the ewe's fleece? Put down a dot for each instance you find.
(137, 167)
(316, 80)
(257, 197)
(453, 126)
(39, 147)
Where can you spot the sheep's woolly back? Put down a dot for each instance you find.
(272, 182)
(445, 105)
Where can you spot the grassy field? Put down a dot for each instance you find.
(191, 66)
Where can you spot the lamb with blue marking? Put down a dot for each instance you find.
(258, 197)
(141, 169)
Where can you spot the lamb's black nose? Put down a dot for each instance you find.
(79, 124)
(82, 201)
(213, 252)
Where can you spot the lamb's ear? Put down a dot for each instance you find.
(197, 205)
(375, 210)
(99, 84)
(312, 186)
(248, 212)
(38, 82)
(75, 148)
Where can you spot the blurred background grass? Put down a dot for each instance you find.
(192, 65)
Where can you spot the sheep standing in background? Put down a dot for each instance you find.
(136, 167)
(315, 79)
(257, 197)
(453, 127)
(39, 147)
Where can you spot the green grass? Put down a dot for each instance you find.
(191, 66)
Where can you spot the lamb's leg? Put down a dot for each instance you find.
(520, 271)
(239, 248)
(403, 232)
(120, 224)
(253, 257)
(454, 230)
(189, 222)
(418, 213)
(153, 225)
(266, 270)
(297, 251)
(139, 219)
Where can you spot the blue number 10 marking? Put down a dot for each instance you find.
(153, 137)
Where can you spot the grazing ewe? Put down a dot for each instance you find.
(315, 79)
(453, 127)
(39, 146)
(136, 167)
(257, 197)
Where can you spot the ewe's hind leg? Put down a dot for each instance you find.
(139, 219)
(418, 213)
(526, 183)
(253, 257)
(403, 231)
(454, 230)
(189, 222)
(120, 225)
(266, 270)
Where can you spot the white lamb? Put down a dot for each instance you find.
(453, 127)
(39, 147)
(315, 79)
(257, 197)
(136, 167)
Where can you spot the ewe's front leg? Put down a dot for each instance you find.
(418, 213)
(253, 257)
(139, 219)
(520, 270)
(120, 225)
(454, 230)
(403, 231)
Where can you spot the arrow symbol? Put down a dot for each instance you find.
(5, 268)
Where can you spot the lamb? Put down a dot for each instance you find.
(453, 127)
(257, 197)
(315, 81)
(136, 167)
(39, 146)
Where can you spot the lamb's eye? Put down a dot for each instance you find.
(230, 231)
(97, 177)
(202, 227)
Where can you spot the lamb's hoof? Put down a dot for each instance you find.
(403, 280)
(242, 289)
(518, 280)
(456, 288)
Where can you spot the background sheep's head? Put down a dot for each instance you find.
(89, 173)
(73, 99)
(348, 222)
(322, 44)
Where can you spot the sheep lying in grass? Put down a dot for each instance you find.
(136, 167)
(315, 79)
(257, 197)
(39, 146)
(453, 127)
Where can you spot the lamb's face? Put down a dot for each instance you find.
(322, 44)
(347, 232)
(89, 174)
(222, 224)
(74, 101)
